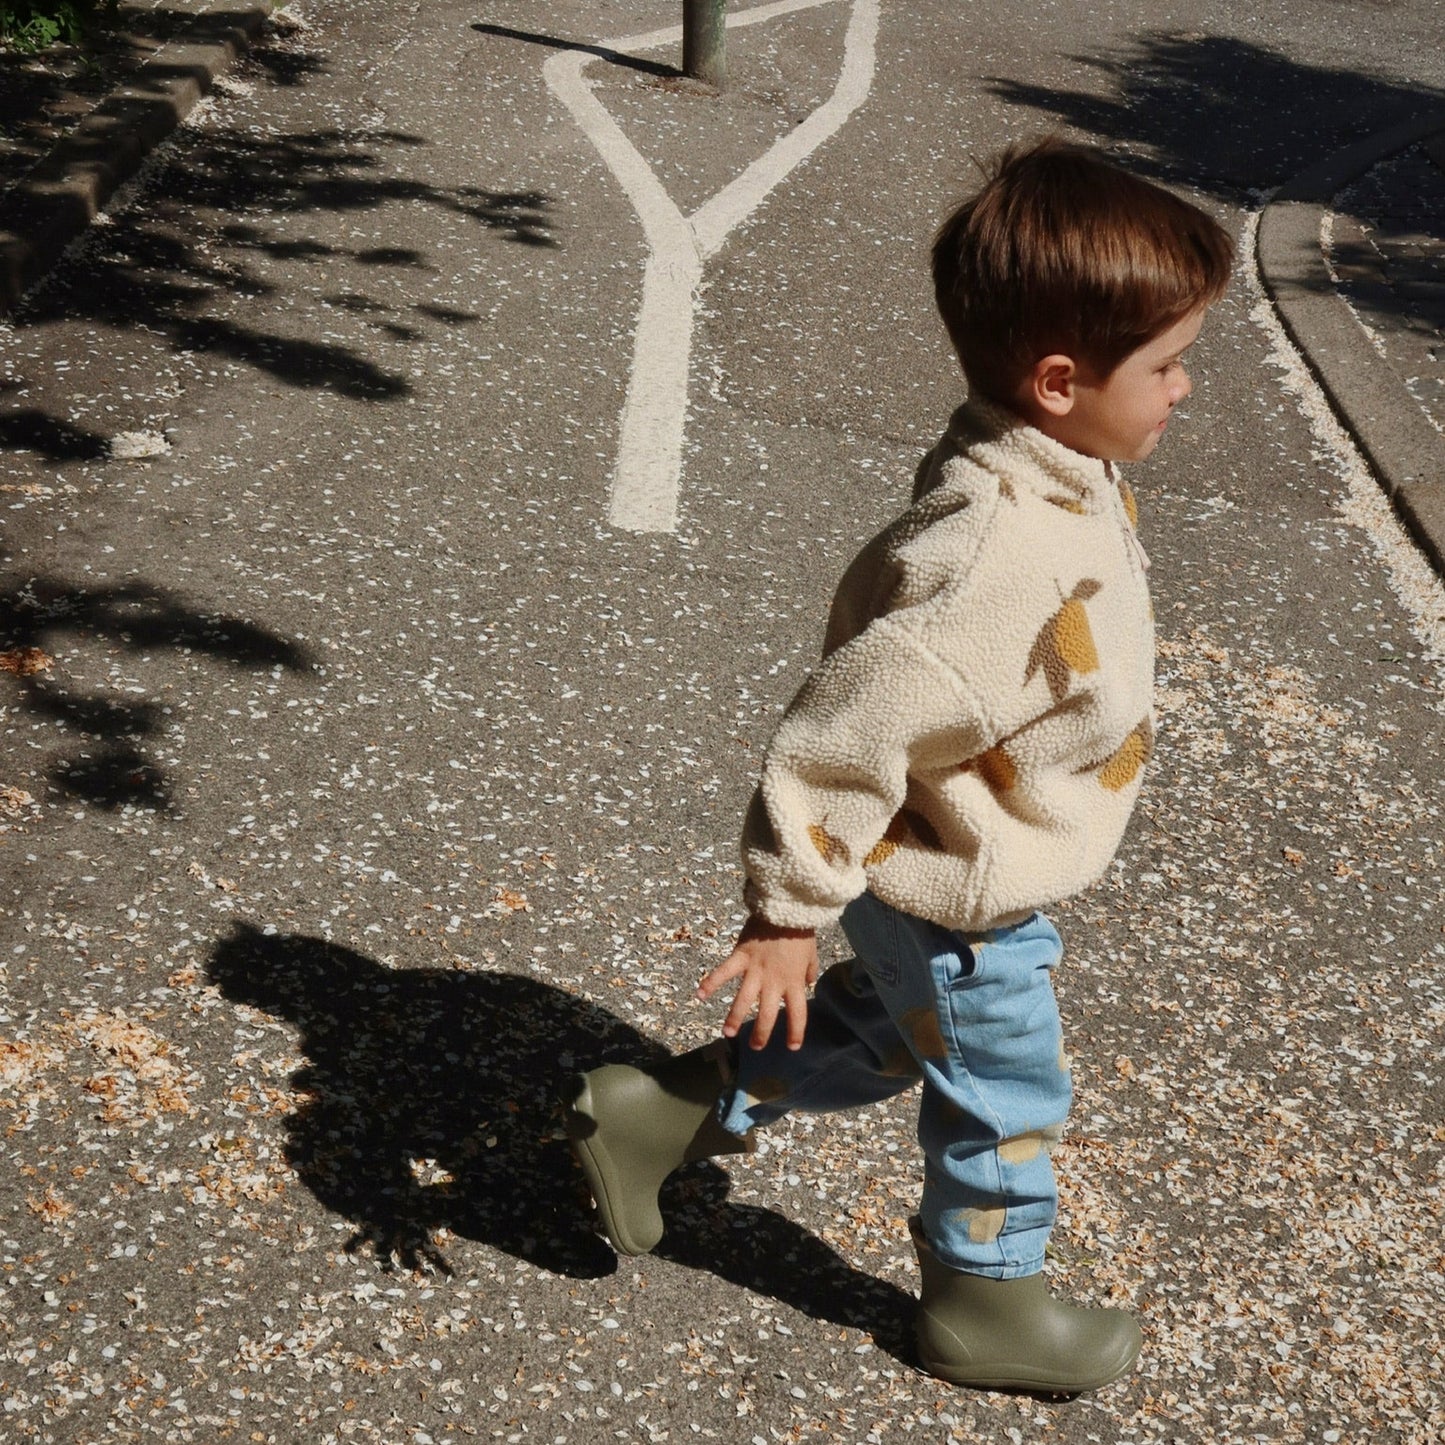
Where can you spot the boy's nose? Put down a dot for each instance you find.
(1183, 387)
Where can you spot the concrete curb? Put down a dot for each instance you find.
(53, 203)
(1405, 451)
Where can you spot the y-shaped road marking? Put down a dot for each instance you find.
(649, 452)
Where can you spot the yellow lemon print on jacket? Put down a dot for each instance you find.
(1130, 756)
(1131, 505)
(907, 826)
(1065, 648)
(1066, 503)
(996, 768)
(831, 848)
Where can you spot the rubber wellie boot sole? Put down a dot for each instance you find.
(1022, 1379)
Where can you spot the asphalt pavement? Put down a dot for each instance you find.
(367, 764)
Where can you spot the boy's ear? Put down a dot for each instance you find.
(1049, 386)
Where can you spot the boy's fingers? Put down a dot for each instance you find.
(742, 1006)
(767, 1017)
(758, 1039)
(797, 1019)
(728, 969)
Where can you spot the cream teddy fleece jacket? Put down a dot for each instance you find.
(970, 747)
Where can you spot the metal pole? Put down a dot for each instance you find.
(704, 41)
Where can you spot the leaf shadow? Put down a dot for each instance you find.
(32, 430)
(112, 770)
(1225, 115)
(217, 229)
(1234, 119)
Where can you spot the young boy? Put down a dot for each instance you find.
(967, 753)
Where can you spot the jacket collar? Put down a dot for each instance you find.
(999, 440)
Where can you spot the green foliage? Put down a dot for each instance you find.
(32, 25)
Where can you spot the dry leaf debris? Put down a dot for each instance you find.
(279, 1064)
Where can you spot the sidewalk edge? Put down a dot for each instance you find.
(55, 201)
(1405, 451)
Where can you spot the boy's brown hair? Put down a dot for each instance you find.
(1061, 252)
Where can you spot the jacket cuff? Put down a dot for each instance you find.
(783, 911)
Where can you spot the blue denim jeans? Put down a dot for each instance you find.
(974, 1018)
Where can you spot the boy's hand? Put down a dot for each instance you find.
(777, 966)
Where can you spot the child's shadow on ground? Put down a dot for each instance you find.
(432, 1103)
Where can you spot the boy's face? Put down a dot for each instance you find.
(1120, 418)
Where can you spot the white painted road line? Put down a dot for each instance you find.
(645, 484)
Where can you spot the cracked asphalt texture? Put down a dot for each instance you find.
(359, 782)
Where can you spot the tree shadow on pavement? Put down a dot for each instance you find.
(433, 1103)
(1235, 119)
(44, 96)
(30, 429)
(112, 770)
(149, 270)
(1222, 114)
(226, 228)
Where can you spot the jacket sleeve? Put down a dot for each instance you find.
(837, 770)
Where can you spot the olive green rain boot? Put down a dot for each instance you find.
(1011, 1334)
(630, 1128)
